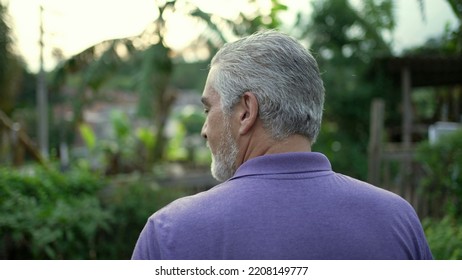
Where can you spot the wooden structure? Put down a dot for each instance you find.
(15, 139)
(420, 71)
(392, 165)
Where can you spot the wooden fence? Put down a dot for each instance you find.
(392, 166)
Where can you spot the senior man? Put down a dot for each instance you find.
(279, 200)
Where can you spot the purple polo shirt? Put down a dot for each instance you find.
(285, 206)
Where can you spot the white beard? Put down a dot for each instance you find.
(224, 162)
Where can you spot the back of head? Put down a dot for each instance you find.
(281, 73)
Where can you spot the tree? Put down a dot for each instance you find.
(150, 59)
(450, 42)
(345, 38)
(10, 68)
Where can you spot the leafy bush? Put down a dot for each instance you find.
(442, 180)
(442, 185)
(444, 237)
(48, 215)
(131, 199)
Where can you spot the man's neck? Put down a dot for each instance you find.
(264, 145)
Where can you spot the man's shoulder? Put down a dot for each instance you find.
(367, 192)
(191, 207)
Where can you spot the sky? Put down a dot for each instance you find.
(74, 25)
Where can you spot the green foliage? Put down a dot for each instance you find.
(156, 72)
(256, 21)
(187, 143)
(88, 136)
(45, 214)
(48, 215)
(442, 163)
(146, 137)
(345, 38)
(192, 119)
(10, 67)
(131, 201)
(351, 32)
(444, 238)
(423, 100)
(345, 154)
(191, 76)
(447, 43)
(120, 124)
(176, 150)
(124, 149)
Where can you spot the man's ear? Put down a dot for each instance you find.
(248, 112)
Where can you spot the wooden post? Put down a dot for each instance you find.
(42, 98)
(375, 141)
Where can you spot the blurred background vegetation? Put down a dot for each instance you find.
(125, 117)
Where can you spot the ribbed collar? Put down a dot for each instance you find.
(286, 163)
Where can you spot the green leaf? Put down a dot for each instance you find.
(88, 136)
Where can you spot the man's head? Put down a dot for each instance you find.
(277, 76)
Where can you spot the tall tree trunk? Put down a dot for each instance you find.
(157, 72)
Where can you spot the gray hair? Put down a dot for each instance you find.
(281, 73)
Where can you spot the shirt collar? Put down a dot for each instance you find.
(285, 163)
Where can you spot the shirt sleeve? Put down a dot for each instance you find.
(147, 246)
